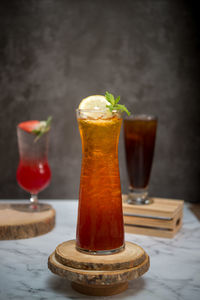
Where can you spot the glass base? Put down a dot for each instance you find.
(138, 197)
(101, 252)
(31, 208)
(138, 202)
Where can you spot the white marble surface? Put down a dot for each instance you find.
(174, 272)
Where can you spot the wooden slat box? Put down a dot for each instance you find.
(162, 218)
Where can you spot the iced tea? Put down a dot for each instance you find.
(100, 218)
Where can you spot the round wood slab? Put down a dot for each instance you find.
(18, 224)
(67, 255)
(99, 275)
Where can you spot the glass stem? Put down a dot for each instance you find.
(34, 201)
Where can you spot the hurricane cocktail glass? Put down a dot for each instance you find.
(33, 173)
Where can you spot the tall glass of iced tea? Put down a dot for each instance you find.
(100, 219)
(139, 138)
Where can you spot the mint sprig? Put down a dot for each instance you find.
(43, 127)
(114, 104)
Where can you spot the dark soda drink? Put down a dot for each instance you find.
(139, 138)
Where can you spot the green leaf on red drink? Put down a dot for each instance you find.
(113, 106)
(41, 128)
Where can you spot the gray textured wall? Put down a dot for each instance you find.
(55, 52)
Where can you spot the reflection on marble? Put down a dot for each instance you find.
(174, 272)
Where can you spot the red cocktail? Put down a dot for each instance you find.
(33, 176)
(33, 173)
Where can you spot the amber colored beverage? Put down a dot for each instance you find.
(100, 219)
(139, 137)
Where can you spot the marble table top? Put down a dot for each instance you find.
(174, 272)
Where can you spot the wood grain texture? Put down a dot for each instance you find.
(107, 290)
(159, 232)
(16, 224)
(162, 218)
(161, 207)
(153, 222)
(132, 256)
(92, 275)
(97, 277)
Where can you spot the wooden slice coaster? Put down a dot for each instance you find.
(67, 255)
(97, 281)
(15, 223)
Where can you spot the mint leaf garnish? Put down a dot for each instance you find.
(43, 127)
(110, 98)
(114, 104)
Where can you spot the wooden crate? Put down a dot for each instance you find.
(162, 218)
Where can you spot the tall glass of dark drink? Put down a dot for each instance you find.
(139, 138)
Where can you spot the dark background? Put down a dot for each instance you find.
(53, 53)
